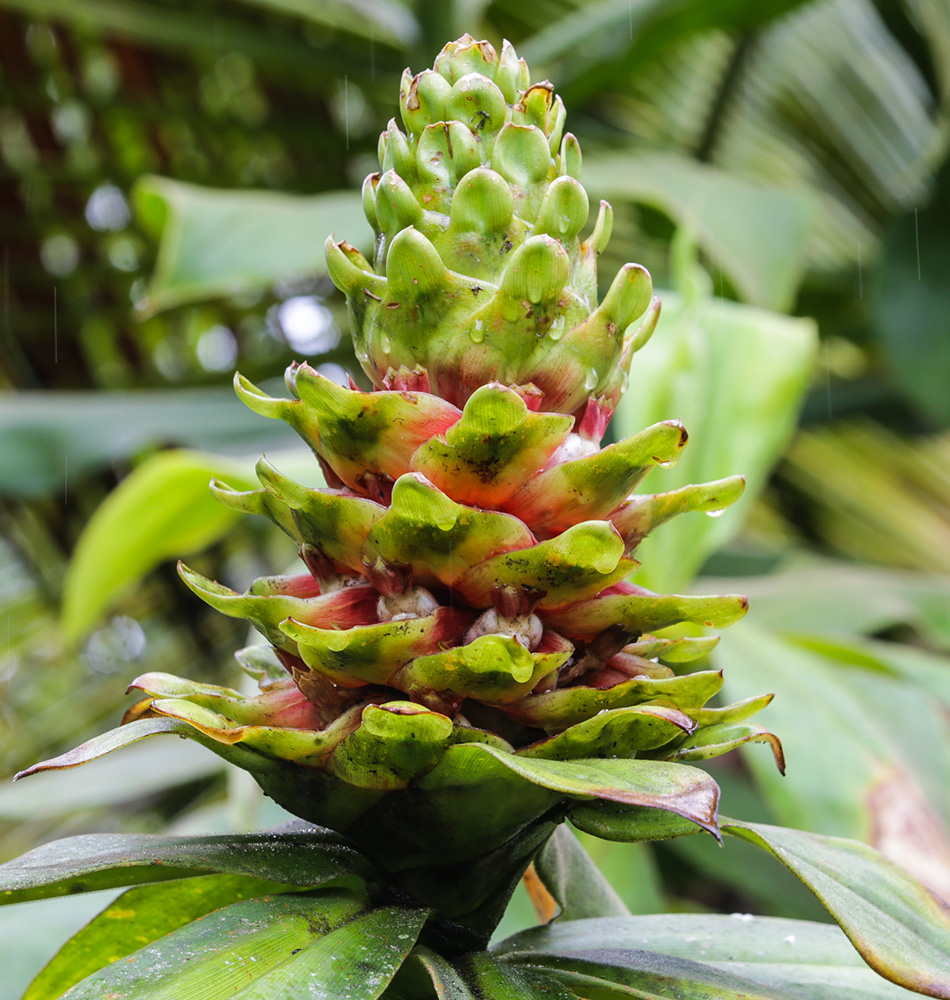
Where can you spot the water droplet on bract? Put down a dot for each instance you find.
(715, 513)
(385, 344)
(665, 465)
(477, 332)
(590, 380)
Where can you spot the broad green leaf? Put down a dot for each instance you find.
(326, 943)
(810, 960)
(890, 784)
(575, 882)
(102, 861)
(735, 376)
(137, 917)
(504, 981)
(676, 788)
(161, 510)
(216, 242)
(756, 232)
(645, 975)
(842, 599)
(901, 929)
(50, 441)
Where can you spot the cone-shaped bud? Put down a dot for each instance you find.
(469, 563)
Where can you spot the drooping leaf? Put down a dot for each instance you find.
(901, 929)
(810, 960)
(216, 242)
(139, 916)
(101, 861)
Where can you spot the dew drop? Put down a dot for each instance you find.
(477, 332)
(715, 513)
(386, 344)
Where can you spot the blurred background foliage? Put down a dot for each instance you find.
(168, 172)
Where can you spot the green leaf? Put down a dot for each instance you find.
(102, 861)
(756, 232)
(676, 788)
(644, 975)
(49, 441)
(325, 942)
(628, 824)
(901, 929)
(217, 242)
(503, 981)
(810, 960)
(574, 881)
(841, 599)
(161, 510)
(140, 772)
(138, 916)
(765, 360)
(381, 20)
(889, 784)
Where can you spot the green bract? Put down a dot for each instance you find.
(463, 664)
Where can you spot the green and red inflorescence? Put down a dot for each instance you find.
(465, 612)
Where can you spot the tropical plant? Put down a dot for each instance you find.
(463, 666)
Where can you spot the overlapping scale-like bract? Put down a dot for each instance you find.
(463, 609)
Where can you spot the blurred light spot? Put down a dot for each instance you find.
(168, 360)
(308, 325)
(123, 254)
(59, 254)
(100, 75)
(71, 122)
(217, 349)
(334, 372)
(107, 209)
(15, 143)
(111, 648)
